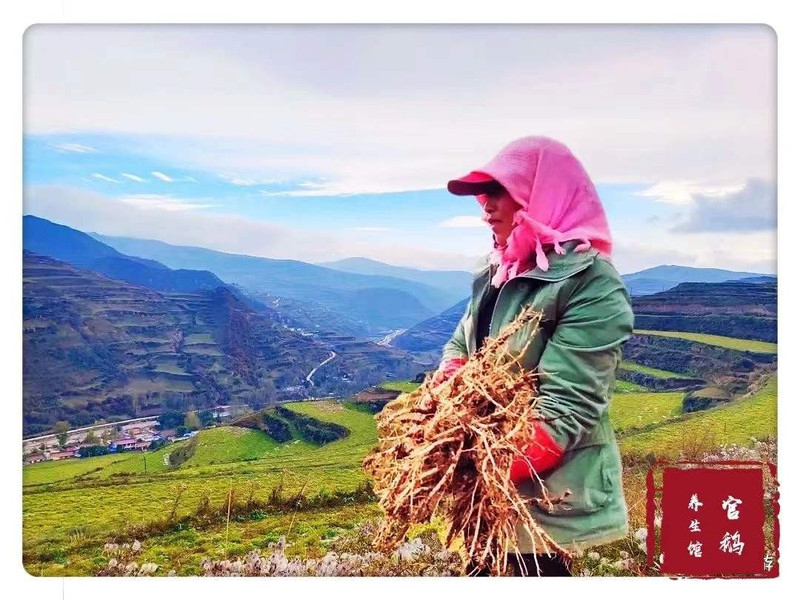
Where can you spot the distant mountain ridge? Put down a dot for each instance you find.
(81, 250)
(430, 335)
(648, 281)
(664, 277)
(446, 280)
(371, 303)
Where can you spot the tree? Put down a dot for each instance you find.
(61, 428)
(192, 421)
(170, 419)
(157, 443)
(91, 438)
(88, 451)
(206, 417)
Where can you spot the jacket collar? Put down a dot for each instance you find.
(562, 266)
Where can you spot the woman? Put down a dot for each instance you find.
(552, 249)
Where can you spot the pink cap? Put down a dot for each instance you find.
(473, 184)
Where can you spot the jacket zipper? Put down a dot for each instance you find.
(496, 303)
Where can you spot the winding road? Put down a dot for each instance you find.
(327, 360)
(388, 338)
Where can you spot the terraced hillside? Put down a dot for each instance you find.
(701, 317)
(99, 348)
(430, 335)
(96, 348)
(694, 362)
(733, 309)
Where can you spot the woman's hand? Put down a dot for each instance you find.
(447, 368)
(541, 455)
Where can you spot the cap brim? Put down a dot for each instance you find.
(473, 184)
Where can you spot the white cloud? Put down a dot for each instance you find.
(134, 177)
(453, 249)
(102, 177)
(246, 181)
(163, 202)
(162, 176)
(750, 208)
(463, 221)
(667, 103)
(78, 148)
(682, 192)
(752, 251)
(88, 211)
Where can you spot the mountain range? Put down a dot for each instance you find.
(131, 327)
(664, 277)
(369, 304)
(76, 248)
(106, 335)
(445, 280)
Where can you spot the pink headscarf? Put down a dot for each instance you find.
(559, 203)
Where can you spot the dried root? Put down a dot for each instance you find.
(447, 450)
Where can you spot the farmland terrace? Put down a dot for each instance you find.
(100, 349)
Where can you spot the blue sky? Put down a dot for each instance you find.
(319, 143)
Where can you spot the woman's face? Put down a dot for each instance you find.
(499, 208)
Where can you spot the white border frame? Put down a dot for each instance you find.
(772, 12)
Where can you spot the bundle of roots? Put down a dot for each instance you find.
(447, 450)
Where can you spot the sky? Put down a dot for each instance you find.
(322, 142)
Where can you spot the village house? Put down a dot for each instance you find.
(66, 453)
(34, 458)
(129, 444)
(221, 412)
(123, 444)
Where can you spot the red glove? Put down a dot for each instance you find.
(447, 369)
(543, 454)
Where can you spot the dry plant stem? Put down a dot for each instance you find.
(228, 519)
(447, 450)
(297, 506)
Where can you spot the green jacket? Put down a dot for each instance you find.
(587, 316)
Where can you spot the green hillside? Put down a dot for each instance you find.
(659, 373)
(751, 416)
(71, 508)
(716, 340)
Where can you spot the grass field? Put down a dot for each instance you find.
(716, 340)
(116, 491)
(53, 471)
(661, 374)
(636, 409)
(754, 416)
(625, 387)
(71, 508)
(399, 386)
